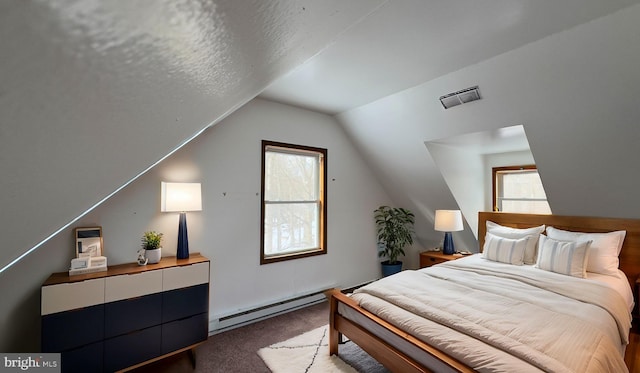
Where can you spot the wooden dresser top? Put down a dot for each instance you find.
(127, 268)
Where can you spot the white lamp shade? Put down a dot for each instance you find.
(180, 197)
(448, 221)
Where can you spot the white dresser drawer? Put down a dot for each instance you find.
(72, 295)
(185, 276)
(132, 285)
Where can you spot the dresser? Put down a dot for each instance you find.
(127, 316)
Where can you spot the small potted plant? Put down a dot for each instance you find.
(395, 231)
(151, 244)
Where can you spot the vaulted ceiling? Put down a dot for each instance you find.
(94, 93)
(408, 42)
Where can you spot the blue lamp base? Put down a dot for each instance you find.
(183, 241)
(447, 247)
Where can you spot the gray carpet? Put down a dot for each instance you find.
(236, 350)
(353, 355)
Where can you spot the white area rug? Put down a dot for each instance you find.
(309, 353)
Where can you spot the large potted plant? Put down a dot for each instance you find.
(395, 231)
(151, 242)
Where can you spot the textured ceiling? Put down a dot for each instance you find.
(93, 93)
(408, 42)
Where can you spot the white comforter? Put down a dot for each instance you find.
(503, 318)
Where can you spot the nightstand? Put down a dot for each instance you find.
(429, 258)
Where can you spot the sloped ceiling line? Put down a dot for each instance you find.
(98, 91)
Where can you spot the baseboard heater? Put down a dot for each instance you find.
(250, 316)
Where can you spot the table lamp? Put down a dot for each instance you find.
(448, 221)
(181, 197)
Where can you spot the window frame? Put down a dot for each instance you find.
(322, 200)
(494, 183)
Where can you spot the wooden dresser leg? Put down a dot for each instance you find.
(192, 357)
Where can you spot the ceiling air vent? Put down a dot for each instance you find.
(461, 97)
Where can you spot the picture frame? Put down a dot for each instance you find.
(88, 242)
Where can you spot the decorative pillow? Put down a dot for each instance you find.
(515, 233)
(505, 250)
(565, 257)
(603, 252)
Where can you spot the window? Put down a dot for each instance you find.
(294, 209)
(519, 189)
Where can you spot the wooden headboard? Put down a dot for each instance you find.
(629, 256)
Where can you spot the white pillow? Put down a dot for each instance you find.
(515, 233)
(505, 250)
(565, 257)
(603, 252)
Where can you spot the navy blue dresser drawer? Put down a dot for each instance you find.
(130, 349)
(185, 332)
(70, 329)
(127, 315)
(180, 303)
(83, 359)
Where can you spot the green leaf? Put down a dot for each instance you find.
(394, 231)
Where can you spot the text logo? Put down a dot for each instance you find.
(49, 363)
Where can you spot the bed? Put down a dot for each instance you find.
(443, 319)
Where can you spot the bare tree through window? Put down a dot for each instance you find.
(293, 201)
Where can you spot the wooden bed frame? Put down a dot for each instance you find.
(397, 361)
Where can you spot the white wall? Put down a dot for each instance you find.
(226, 160)
(576, 95)
(91, 96)
(464, 160)
(460, 169)
(574, 92)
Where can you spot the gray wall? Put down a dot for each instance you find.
(90, 96)
(226, 160)
(576, 94)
